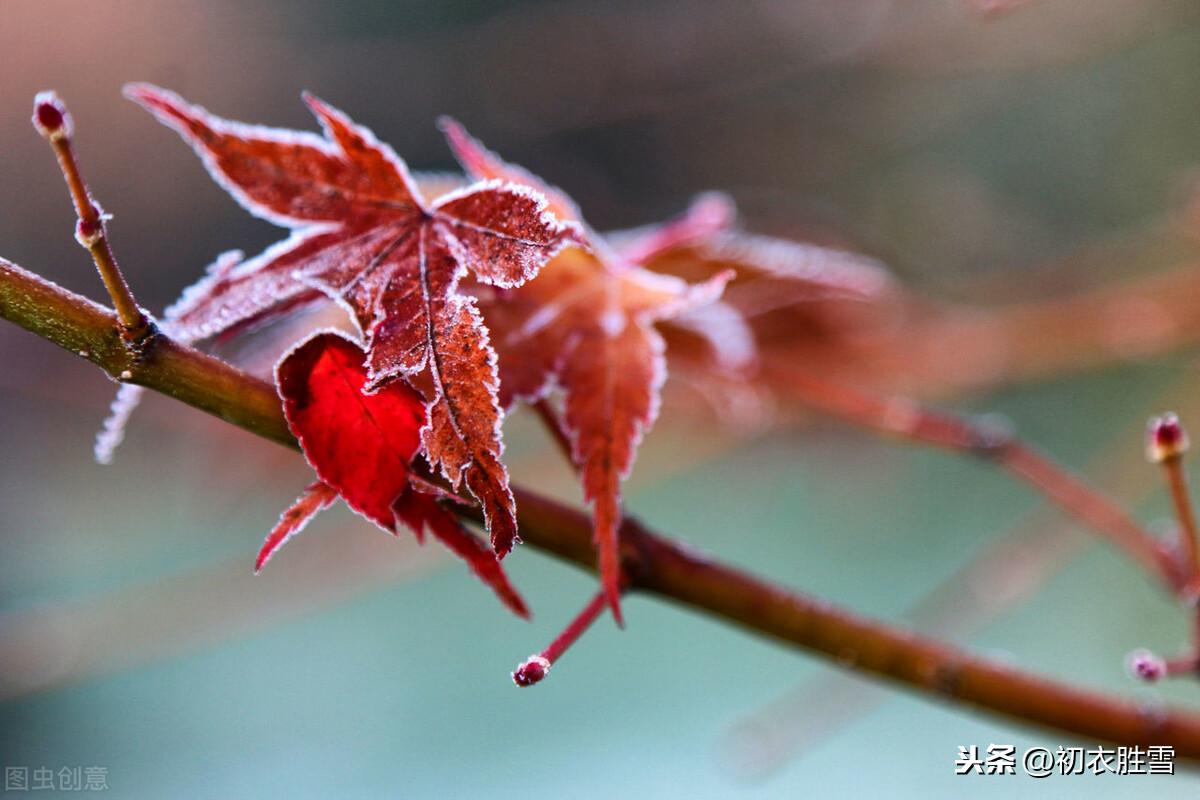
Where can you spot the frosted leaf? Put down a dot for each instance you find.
(364, 236)
(586, 325)
(113, 432)
(362, 446)
(316, 498)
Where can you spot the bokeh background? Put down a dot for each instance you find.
(985, 158)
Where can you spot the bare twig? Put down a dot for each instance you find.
(1167, 444)
(997, 578)
(909, 420)
(53, 121)
(533, 669)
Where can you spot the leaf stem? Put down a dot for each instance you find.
(53, 121)
(660, 566)
(534, 668)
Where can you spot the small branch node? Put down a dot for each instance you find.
(140, 341)
(88, 232)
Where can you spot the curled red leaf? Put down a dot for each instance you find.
(361, 446)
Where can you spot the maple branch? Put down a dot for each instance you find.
(1166, 444)
(53, 121)
(1004, 573)
(654, 564)
(93, 332)
(907, 419)
(1185, 513)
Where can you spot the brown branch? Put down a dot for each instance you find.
(909, 420)
(52, 120)
(997, 578)
(1167, 444)
(1185, 514)
(654, 564)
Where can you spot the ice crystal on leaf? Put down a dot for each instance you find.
(364, 236)
(361, 446)
(586, 326)
(420, 278)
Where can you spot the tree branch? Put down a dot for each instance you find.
(653, 563)
(51, 119)
(907, 419)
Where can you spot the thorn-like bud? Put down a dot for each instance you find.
(531, 671)
(50, 116)
(1146, 666)
(1166, 438)
(88, 232)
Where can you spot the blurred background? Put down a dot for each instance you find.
(986, 158)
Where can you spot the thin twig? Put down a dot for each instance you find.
(533, 669)
(1167, 444)
(909, 420)
(1074, 496)
(1185, 513)
(53, 121)
(657, 565)
(997, 578)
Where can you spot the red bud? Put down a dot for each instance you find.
(50, 116)
(1146, 666)
(1165, 438)
(531, 671)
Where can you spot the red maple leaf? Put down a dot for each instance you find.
(361, 446)
(585, 325)
(364, 236)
